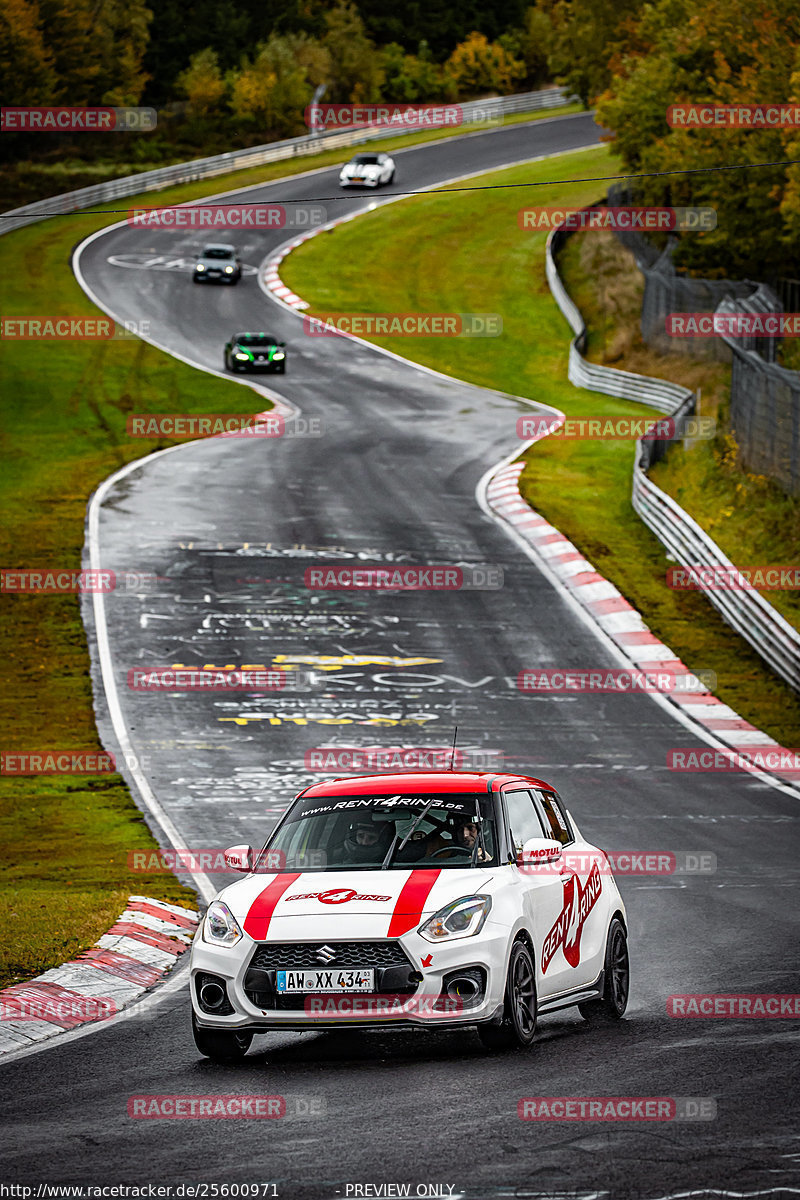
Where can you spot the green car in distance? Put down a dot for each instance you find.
(255, 352)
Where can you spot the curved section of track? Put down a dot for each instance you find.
(229, 527)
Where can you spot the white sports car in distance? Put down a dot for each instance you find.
(367, 170)
(421, 899)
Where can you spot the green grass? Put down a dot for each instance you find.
(750, 518)
(65, 876)
(379, 263)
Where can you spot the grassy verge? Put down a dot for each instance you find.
(380, 264)
(66, 839)
(750, 518)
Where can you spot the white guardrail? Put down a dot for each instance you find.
(773, 638)
(475, 112)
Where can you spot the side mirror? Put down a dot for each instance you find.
(239, 858)
(538, 852)
(281, 343)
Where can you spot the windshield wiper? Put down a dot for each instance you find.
(479, 842)
(410, 833)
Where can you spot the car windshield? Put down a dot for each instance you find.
(218, 252)
(334, 833)
(256, 339)
(366, 160)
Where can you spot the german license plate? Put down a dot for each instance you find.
(326, 981)
(358, 179)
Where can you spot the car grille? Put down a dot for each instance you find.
(395, 972)
(283, 956)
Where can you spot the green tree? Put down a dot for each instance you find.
(532, 43)
(730, 52)
(410, 77)
(202, 83)
(97, 49)
(478, 65)
(356, 72)
(272, 90)
(26, 64)
(587, 34)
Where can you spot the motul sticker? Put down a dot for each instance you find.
(335, 896)
(566, 932)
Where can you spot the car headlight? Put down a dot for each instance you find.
(461, 919)
(199, 267)
(241, 356)
(220, 926)
(229, 270)
(278, 355)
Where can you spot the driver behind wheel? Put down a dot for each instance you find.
(466, 835)
(366, 841)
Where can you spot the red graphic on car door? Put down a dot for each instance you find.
(579, 900)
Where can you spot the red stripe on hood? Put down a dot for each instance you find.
(256, 923)
(411, 901)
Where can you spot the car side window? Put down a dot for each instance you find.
(523, 819)
(554, 816)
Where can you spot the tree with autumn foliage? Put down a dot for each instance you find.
(728, 52)
(478, 65)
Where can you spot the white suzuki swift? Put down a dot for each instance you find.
(423, 899)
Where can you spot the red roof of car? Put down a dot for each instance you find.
(418, 781)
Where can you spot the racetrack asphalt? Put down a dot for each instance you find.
(229, 527)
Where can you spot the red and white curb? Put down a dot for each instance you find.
(136, 952)
(618, 619)
(272, 280)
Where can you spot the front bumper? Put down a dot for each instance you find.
(424, 1004)
(275, 367)
(359, 183)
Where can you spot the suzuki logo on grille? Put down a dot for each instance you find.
(325, 954)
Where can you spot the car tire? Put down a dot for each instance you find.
(195, 279)
(518, 1026)
(221, 1045)
(390, 180)
(616, 979)
(281, 370)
